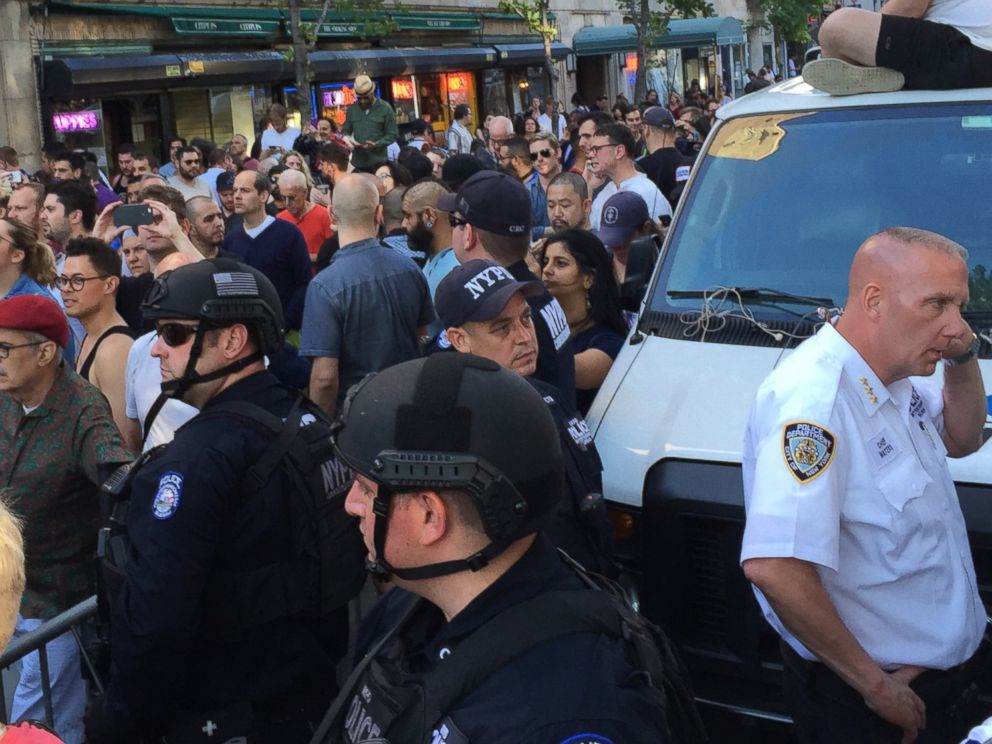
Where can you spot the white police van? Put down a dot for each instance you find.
(789, 183)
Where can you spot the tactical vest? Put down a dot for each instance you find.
(324, 567)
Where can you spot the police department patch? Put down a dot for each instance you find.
(808, 449)
(170, 488)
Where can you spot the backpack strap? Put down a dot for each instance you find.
(510, 635)
(328, 731)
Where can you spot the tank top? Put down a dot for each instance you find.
(84, 370)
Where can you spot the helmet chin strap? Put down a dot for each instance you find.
(380, 568)
(176, 389)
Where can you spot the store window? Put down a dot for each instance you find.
(494, 87)
(404, 90)
(78, 124)
(333, 99)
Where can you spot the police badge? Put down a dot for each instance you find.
(808, 449)
(170, 488)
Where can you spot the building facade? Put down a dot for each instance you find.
(99, 74)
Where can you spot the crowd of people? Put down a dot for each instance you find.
(349, 254)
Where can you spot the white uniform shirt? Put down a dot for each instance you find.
(142, 385)
(284, 139)
(973, 18)
(852, 476)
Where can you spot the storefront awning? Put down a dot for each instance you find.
(340, 25)
(682, 34)
(65, 76)
(194, 20)
(346, 64)
(70, 76)
(529, 54)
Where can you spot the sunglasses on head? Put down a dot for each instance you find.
(175, 334)
(456, 221)
(545, 153)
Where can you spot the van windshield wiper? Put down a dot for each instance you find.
(750, 293)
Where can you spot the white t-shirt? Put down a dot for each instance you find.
(285, 139)
(200, 187)
(658, 205)
(973, 18)
(142, 385)
(544, 124)
(851, 475)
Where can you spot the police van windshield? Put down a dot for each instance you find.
(783, 201)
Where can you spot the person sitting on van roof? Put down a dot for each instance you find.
(914, 44)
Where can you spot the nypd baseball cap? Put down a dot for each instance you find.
(225, 181)
(491, 201)
(623, 213)
(658, 117)
(478, 290)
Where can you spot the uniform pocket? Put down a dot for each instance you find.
(900, 485)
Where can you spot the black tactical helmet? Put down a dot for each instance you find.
(222, 292)
(455, 421)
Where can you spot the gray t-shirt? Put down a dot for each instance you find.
(364, 310)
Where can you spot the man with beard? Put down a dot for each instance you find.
(428, 230)
(125, 165)
(206, 226)
(187, 180)
(568, 202)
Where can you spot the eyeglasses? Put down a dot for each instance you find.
(5, 349)
(594, 149)
(498, 141)
(76, 283)
(175, 334)
(545, 153)
(456, 221)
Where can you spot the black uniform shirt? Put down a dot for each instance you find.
(189, 523)
(570, 690)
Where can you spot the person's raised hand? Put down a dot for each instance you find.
(104, 228)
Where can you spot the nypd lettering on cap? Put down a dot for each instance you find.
(808, 449)
(486, 279)
(170, 489)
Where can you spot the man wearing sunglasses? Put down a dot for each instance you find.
(370, 126)
(545, 154)
(58, 442)
(214, 625)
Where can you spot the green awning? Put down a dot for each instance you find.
(682, 34)
(168, 10)
(225, 27)
(349, 25)
(194, 20)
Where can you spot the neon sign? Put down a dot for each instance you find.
(403, 89)
(76, 121)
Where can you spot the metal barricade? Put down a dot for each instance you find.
(70, 620)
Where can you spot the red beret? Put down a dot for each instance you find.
(36, 314)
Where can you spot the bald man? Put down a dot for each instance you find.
(368, 309)
(313, 221)
(854, 540)
(500, 130)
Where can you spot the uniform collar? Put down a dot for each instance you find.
(869, 388)
(248, 388)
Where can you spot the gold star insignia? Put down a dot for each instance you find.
(868, 391)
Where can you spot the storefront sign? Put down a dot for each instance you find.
(173, 71)
(224, 27)
(76, 121)
(403, 89)
(343, 96)
(407, 22)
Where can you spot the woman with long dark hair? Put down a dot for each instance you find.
(579, 273)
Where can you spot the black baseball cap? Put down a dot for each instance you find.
(491, 201)
(225, 181)
(459, 168)
(478, 290)
(658, 117)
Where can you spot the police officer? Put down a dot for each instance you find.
(484, 311)
(458, 465)
(210, 638)
(854, 535)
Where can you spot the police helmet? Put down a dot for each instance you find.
(222, 292)
(462, 422)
